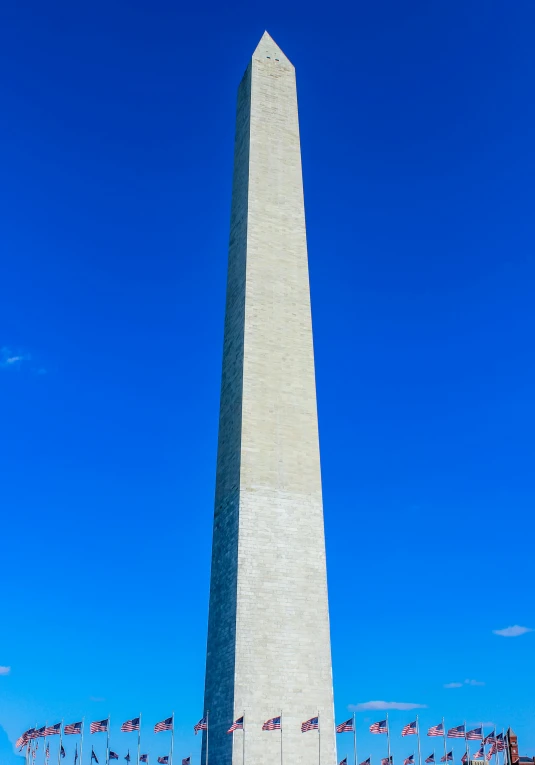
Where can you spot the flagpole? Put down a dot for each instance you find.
(388, 739)
(108, 742)
(355, 738)
(60, 742)
(419, 748)
(243, 740)
(207, 729)
(281, 736)
(82, 740)
(173, 739)
(319, 739)
(466, 745)
(139, 738)
(445, 751)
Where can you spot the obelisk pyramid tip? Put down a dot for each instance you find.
(268, 48)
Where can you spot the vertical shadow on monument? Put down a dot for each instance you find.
(221, 648)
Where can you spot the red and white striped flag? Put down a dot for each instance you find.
(236, 725)
(101, 726)
(379, 727)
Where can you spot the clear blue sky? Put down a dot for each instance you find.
(116, 138)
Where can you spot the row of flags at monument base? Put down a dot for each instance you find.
(476, 734)
(496, 741)
(165, 760)
(100, 726)
(480, 755)
(275, 723)
(142, 758)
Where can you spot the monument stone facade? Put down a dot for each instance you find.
(269, 649)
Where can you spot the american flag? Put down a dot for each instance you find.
(312, 724)
(114, 756)
(493, 750)
(464, 758)
(62, 751)
(345, 727)
(436, 730)
(457, 732)
(75, 754)
(236, 725)
(127, 756)
(367, 762)
(491, 738)
(53, 730)
(273, 724)
(166, 724)
(163, 760)
(99, 727)
(93, 756)
(479, 755)
(47, 752)
(34, 753)
(69, 730)
(25, 738)
(409, 760)
(379, 727)
(201, 725)
(410, 729)
(343, 762)
(40, 732)
(143, 757)
(130, 725)
(500, 742)
(387, 761)
(431, 758)
(447, 757)
(186, 761)
(475, 735)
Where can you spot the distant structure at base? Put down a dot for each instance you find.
(512, 751)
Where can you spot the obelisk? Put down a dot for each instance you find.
(268, 633)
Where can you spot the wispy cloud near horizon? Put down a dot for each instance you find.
(466, 682)
(514, 631)
(5, 670)
(385, 705)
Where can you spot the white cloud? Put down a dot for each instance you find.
(513, 631)
(5, 670)
(466, 682)
(380, 705)
(96, 698)
(11, 360)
